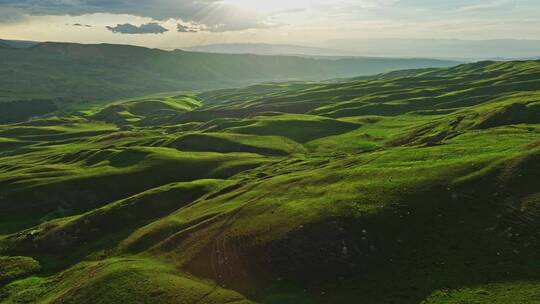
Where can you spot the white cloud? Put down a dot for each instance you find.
(273, 21)
(484, 6)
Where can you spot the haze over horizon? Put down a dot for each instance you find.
(460, 29)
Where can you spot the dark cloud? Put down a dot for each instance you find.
(212, 13)
(158, 9)
(127, 28)
(181, 28)
(10, 15)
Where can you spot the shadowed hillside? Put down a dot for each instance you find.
(106, 71)
(418, 186)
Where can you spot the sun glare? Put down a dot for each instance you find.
(267, 5)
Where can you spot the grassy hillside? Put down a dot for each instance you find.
(409, 187)
(94, 72)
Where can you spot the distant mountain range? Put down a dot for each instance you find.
(446, 49)
(104, 71)
(471, 50)
(18, 44)
(450, 49)
(267, 49)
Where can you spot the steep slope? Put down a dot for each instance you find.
(409, 187)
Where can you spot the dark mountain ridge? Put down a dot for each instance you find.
(105, 71)
(20, 44)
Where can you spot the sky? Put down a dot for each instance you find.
(171, 24)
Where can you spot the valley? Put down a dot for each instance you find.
(411, 186)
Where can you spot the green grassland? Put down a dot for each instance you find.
(419, 186)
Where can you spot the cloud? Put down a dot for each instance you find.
(232, 15)
(10, 15)
(484, 6)
(128, 28)
(188, 28)
(82, 25)
(213, 13)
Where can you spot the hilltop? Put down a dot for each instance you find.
(418, 186)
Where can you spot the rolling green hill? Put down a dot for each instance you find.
(106, 71)
(419, 186)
